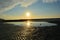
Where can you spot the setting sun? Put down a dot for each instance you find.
(28, 14)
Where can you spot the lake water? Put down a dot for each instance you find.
(36, 24)
(20, 31)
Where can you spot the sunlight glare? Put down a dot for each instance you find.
(28, 23)
(28, 14)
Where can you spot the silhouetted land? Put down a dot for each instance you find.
(15, 32)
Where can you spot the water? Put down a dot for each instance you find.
(36, 24)
(17, 32)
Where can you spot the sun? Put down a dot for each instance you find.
(28, 14)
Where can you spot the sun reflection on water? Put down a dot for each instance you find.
(28, 23)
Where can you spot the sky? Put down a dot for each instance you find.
(17, 9)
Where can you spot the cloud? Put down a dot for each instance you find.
(9, 4)
(49, 1)
(28, 3)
